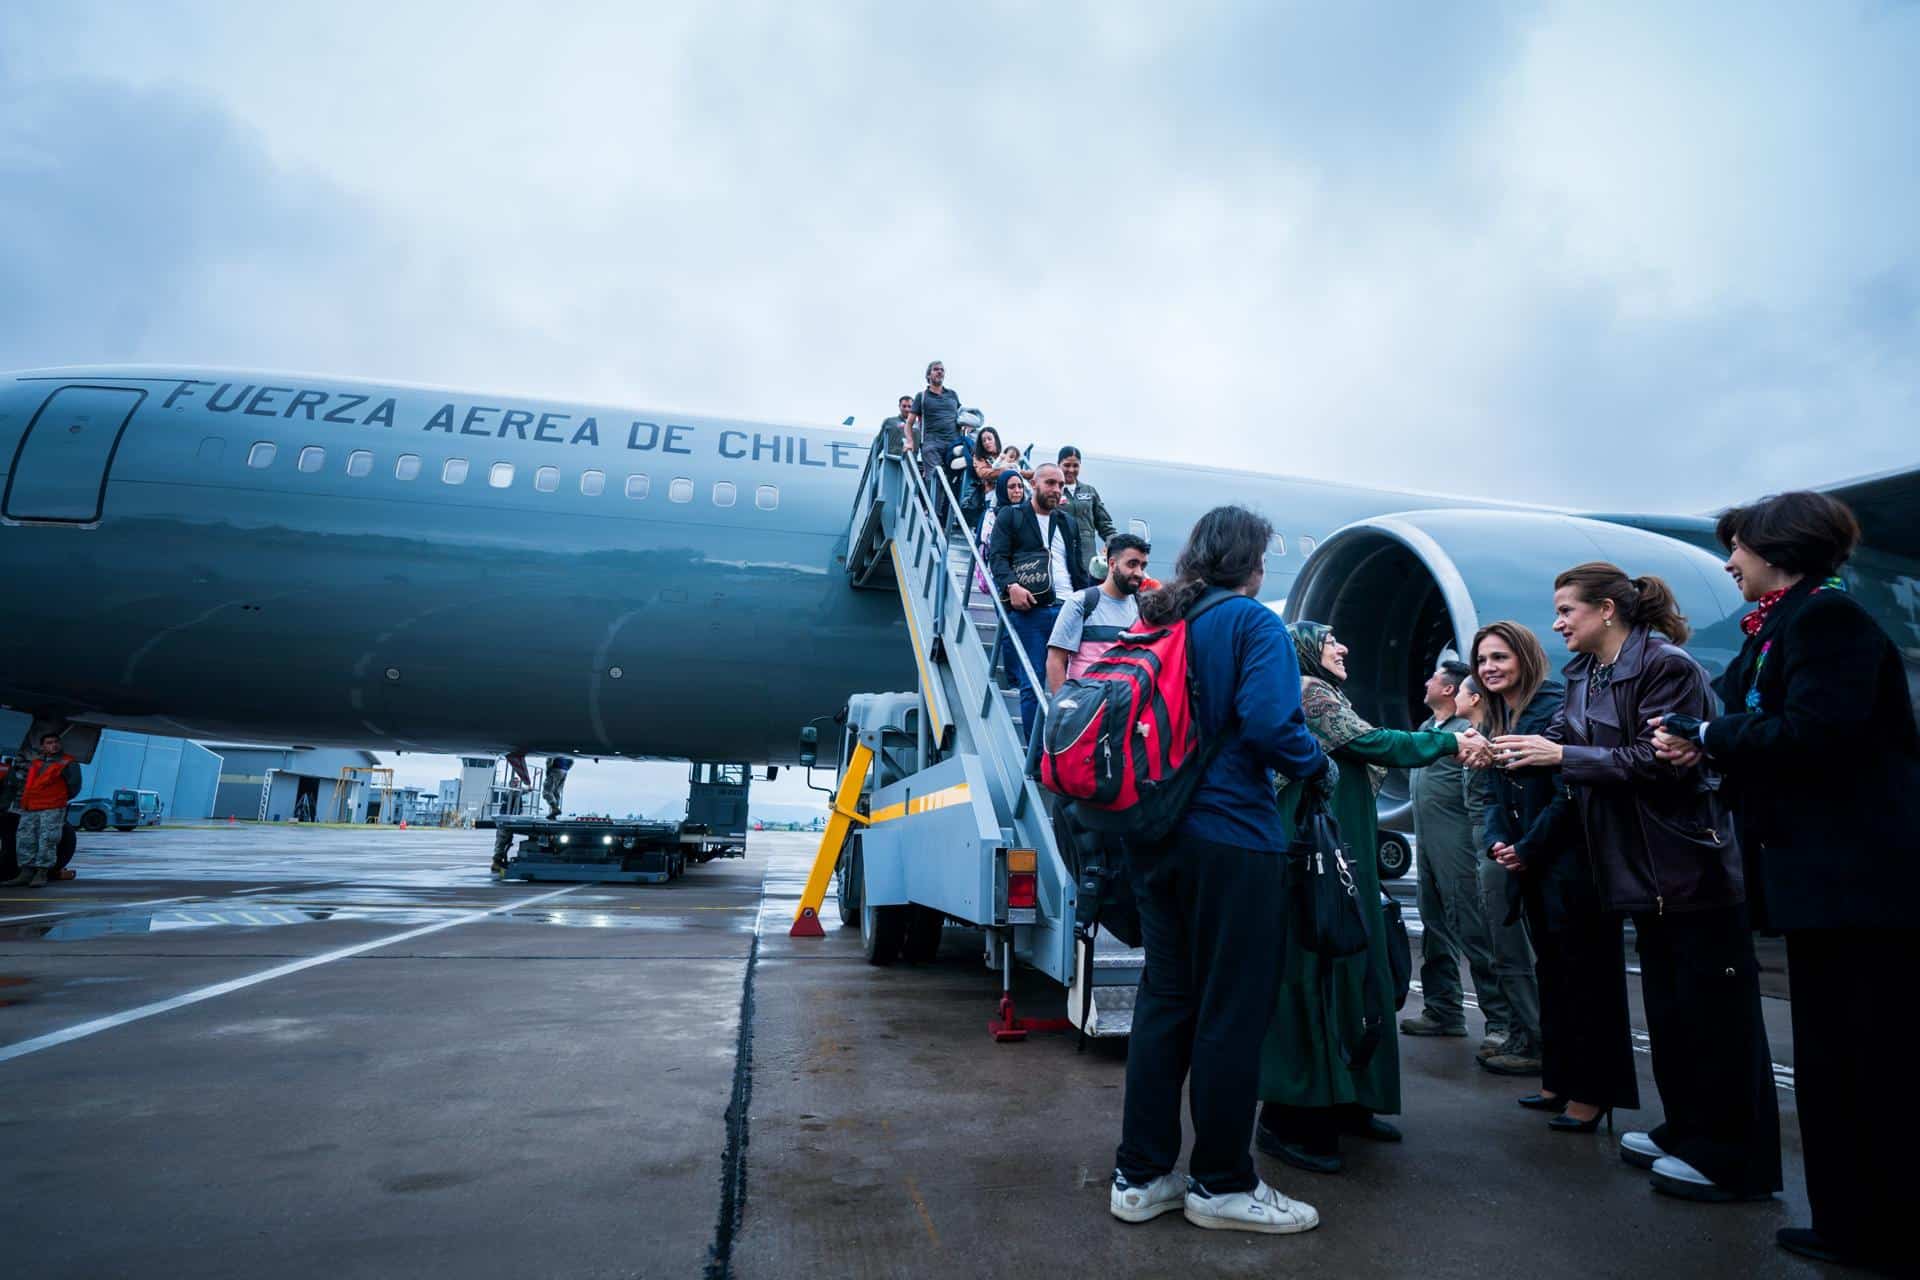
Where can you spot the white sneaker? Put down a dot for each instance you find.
(1131, 1203)
(1676, 1177)
(1262, 1209)
(1640, 1150)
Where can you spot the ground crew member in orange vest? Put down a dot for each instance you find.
(52, 780)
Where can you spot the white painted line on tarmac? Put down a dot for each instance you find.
(100, 907)
(84, 1029)
(269, 888)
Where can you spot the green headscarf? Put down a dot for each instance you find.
(1330, 716)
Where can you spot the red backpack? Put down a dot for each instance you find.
(1123, 740)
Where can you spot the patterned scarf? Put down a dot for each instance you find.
(1330, 716)
(1752, 623)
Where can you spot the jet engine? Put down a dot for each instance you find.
(1399, 589)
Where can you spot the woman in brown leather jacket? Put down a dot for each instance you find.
(1663, 851)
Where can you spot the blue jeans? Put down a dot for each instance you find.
(1031, 628)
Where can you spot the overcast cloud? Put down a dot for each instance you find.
(1609, 256)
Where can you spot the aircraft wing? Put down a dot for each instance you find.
(1888, 505)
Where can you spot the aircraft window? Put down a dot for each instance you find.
(359, 463)
(455, 472)
(766, 497)
(1138, 528)
(501, 475)
(1306, 545)
(212, 448)
(681, 490)
(638, 485)
(406, 466)
(260, 456)
(547, 479)
(593, 483)
(724, 494)
(1278, 547)
(312, 458)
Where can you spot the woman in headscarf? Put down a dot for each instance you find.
(1312, 1096)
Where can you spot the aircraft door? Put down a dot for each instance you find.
(60, 469)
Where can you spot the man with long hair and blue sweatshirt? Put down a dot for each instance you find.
(1209, 895)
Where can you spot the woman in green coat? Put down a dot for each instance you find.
(1312, 1097)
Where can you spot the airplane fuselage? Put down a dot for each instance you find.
(290, 556)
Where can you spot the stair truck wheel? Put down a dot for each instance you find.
(923, 933)
(847, 881)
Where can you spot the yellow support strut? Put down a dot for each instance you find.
(806, 919)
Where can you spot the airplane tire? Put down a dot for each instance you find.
(923, 934)
(883, 930)
(847, 883)
(1395, 855)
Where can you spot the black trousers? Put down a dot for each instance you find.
(1701, 986)
(1586, 1033)
(1208, 916)
(1857, 1130)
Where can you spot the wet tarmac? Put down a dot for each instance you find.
(296, 1051)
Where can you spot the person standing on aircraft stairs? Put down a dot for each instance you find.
(1035, 562)
(1453, 922)
(936, 426)
(894, 431)
(51, 781)
(1094, 619)
(1083, 500)
(976, 487)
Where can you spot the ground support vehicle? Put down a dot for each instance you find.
(605, 850)
(937, 816)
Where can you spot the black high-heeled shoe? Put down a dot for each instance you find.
(1541, 1102)
(1564, 1123)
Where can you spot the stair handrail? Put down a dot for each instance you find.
(924, 500)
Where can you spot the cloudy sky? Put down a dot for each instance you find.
(1620, 255)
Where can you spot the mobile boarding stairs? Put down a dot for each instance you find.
(937, 816)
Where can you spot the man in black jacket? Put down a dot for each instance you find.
(1040, 539)
(1822, 762)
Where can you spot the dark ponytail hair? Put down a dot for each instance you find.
(1644, 602)
(1227, 547)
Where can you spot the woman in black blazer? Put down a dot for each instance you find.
(1823, 768)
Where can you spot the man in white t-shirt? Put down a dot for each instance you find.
(1090, 622)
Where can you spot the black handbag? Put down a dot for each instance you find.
(1327, 920)
(1324, 900)
(1399, 952)
(1034, 571)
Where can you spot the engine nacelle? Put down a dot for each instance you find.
(1398, 589)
